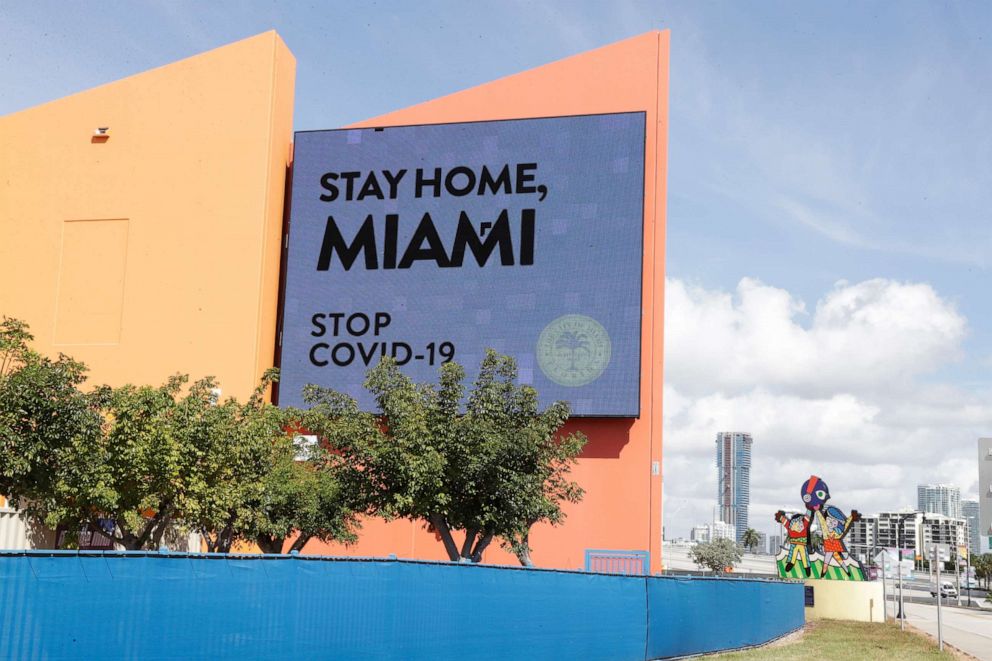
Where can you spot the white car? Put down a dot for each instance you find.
(947, 591)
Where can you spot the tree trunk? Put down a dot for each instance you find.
(470, 535)
(129, 541)
(523, 552)
(480, 546)
(439, 523)
(160, 530)
(137, 542)
(272, 545)
(211, 544)
(300, 542)
(225, 539)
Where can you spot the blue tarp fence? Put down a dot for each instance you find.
(79, 605)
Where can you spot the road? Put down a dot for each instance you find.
(918, 591)
(677, 557)
(968, 630)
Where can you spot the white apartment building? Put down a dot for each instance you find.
(920, 531)
(939, 499)
(944, 531)
(862, 538)
(711, 532)
(901, 529)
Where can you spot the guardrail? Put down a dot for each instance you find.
(123, 605)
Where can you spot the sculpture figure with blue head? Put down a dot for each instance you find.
(827, 549)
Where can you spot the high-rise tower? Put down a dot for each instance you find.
(939, 499)
(971, 513)
(733, 461)
(985, 494)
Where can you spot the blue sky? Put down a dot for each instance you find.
(811, 144)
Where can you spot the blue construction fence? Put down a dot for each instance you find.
(118, 605)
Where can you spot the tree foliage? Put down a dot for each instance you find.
(982, 564)
(302, 497)
(161, 457)
(717, 556)
(487, 466)
(151, 458)
(490, 472)
(43, 415)
(750, 539)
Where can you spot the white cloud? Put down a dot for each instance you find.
(876, 333)
(844, 392)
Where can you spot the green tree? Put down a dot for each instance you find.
(750, 539)
(982, 565)
(305, 497)
(490, 472)
(44, 415)
(150, 458)
(237, 448)
(150, 466)
(236, 476)
(717, 555)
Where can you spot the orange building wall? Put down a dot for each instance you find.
(622, 505)
(156, 250)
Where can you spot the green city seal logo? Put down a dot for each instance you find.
(573, 350)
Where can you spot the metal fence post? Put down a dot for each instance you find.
(940, 628)
(902, 613)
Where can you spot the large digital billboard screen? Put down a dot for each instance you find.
(432, 243)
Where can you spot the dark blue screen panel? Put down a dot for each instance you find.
(431, 243)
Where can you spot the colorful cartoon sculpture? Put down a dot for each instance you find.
(815, 493)
(834, 525)
(797, 540)
(815, 540)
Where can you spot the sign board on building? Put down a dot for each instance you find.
(433, 243)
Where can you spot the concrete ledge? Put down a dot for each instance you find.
(860, 601)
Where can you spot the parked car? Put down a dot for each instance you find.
(947, 591)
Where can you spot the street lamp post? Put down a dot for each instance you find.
(885, 592)
(940, 622)
(967, 576)
(901, 616)
(957, 573)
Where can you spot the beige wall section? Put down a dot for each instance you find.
(156, 250)
(860, 601)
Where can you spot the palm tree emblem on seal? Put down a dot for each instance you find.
(573, 350)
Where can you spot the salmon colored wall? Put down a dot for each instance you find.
(155, 250)
(622, 505)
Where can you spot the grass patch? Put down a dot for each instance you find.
(816, 565)
(834, 639)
